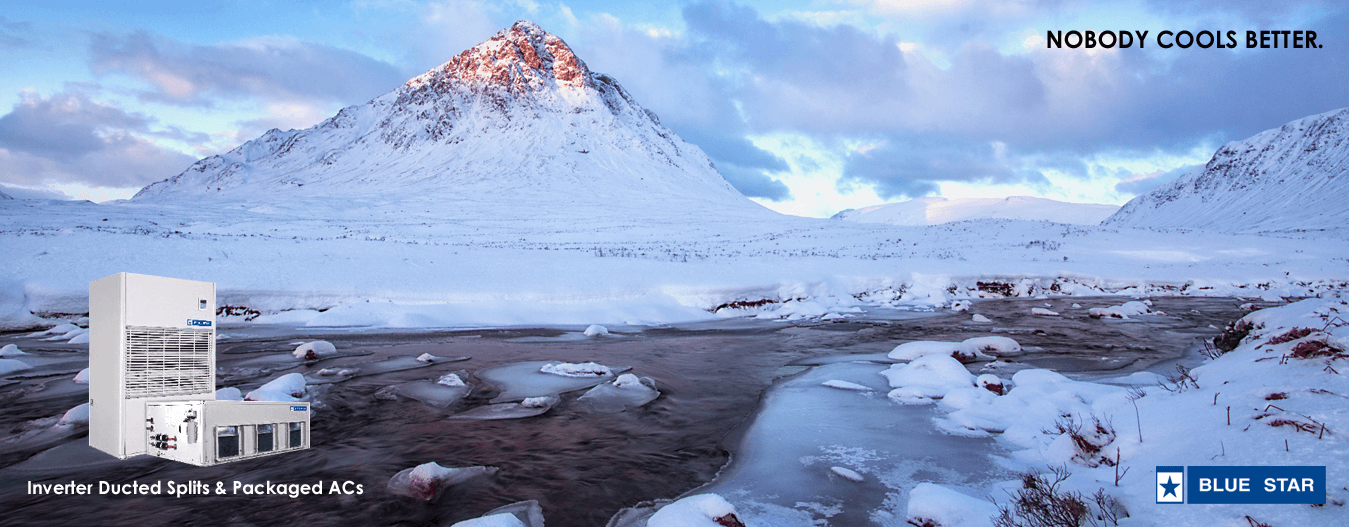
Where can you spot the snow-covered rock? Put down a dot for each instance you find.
(427, 357)
(923, 348)
(76, 415)
(627, 391)
(702, 510)
(927, 378)
(847, 473)
(1295, 177)
(426, 481)
(1040, 311)
(977, 318)
(229, 394)
(584, 369)
(450, 379)
(288, 388)
(82, 377)
(8, 366)
(1125, 310)
(10, 351)
(994, 345)
(596, 330)
(314, 350)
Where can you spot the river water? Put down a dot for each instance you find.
(718, 380)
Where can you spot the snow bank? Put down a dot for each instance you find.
(10, 350)
(927, 378)
(82, 377)
(1124, 310)
(428, 480)
(585, 369)
(286, 388)
(596, 330)
(931, 504)
(702, 510)
(314, 350)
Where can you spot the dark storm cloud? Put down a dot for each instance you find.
(69, 138)
(797, 76)
(754, 183)
(911, 166)
(190, 74)
(733, 149)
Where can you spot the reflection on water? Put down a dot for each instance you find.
(583, 466)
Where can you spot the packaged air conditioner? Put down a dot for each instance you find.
(207, 433)
(152, 378)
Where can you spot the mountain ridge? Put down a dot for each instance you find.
(519, 116)
(1286, 179)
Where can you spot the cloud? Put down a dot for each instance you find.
(269, 68)
(69, 138)
(9, 34)
(912, 166)
(755, 183)
(1139, 184)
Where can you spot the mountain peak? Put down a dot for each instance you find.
(517, 122)
(520, 58)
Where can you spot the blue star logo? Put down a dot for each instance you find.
(1170, 487)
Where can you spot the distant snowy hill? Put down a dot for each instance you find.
(1291, 178)
(936, 211)
(517, 121)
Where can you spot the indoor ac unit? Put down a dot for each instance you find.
(152, 378)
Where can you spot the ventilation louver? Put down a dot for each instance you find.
(168, 361)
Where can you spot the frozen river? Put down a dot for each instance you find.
(742, 412)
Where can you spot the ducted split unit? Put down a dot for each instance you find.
(152, 378)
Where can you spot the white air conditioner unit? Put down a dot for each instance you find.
(152, 351)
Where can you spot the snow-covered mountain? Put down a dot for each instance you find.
(516, 121)
(1291, 178)
(936, 211)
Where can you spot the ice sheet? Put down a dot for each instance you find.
(782, 472)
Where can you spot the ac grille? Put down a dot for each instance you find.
(168, 361)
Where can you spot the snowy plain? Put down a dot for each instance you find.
(460, 264)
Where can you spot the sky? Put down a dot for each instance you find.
(809, 107)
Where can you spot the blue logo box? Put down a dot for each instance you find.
(1245, 484)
